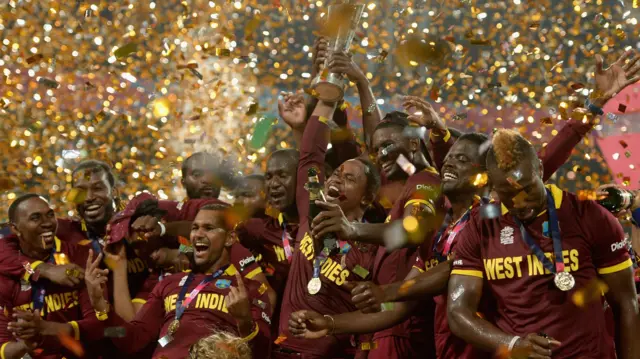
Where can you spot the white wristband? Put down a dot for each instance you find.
(513, 342)
(163, 229)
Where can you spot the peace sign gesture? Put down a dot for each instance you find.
(96, 281)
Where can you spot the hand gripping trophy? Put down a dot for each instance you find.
(343, 20)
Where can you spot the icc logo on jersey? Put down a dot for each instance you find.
(506, 235)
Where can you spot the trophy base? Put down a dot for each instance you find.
(328, 92)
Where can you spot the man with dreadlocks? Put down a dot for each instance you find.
(546, 245)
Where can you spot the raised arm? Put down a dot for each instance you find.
(439, 134)
(312, 151)
(371, 114)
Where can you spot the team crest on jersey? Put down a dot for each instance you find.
(506, 235)
(223, 283)
(25, 285)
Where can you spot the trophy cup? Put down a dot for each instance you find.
(343, 20)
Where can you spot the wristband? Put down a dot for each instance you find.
(163, 229)
(513, 342)
(333, 324)
(593, 108)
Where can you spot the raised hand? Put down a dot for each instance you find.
(616, 77)
(331, 220)
(342, 63)
(320, 51)
(96, 281)
(425, 116)
(309, 324)
(367, 297)
(237, 301)
(292, 109)
(146, 226)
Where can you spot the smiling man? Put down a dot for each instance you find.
(58, 308)
(96, 199)
(545, 247)
(218, 298)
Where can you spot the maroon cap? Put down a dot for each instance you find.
(119, 224)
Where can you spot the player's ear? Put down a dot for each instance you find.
(414, 144)
(229, 239)
(14, 229)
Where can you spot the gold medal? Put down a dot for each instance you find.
(173, 327)
(314, 286)
(564, 281)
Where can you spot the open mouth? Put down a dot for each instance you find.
(92, 210)
(333, 193)
(276, 196)
(207, 191)
(47, 238)
(449, 176)
(200, 248)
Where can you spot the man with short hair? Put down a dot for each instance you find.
(545, 247)
(185, 307)
(37, 311)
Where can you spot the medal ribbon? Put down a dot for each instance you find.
(442, 256)
(286, 241)
(554, 228)
(180, 306)
(38, 291)
(95, 240)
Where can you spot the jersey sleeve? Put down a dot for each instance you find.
(609, 247)
(467, 259)
(559, 149)
(6, 304)
(249, 232)
(260, 340)
(144, 328)
(419, 264)
(244, 260)
(312, 151)
(147, 287)
(9, 252)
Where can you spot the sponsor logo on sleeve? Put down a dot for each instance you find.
(246, 261)
(266, 318)
(618, 245)
(457, 262)
(506, 235)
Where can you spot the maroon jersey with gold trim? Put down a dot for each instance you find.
(527, 299)
(333, 297)
(394, 266)
(263, 237)
(206, 313)
(61, 304)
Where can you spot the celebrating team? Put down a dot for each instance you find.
(394, 250)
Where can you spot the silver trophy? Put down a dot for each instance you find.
(343, 20)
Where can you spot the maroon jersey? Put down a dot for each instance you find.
(264, 237)
(61, 304)
(181, 211)
(527, 299)
(206, 313)
(68, 230)
(333, 297)
(395, 266)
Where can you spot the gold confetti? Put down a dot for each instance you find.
(125, 50)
